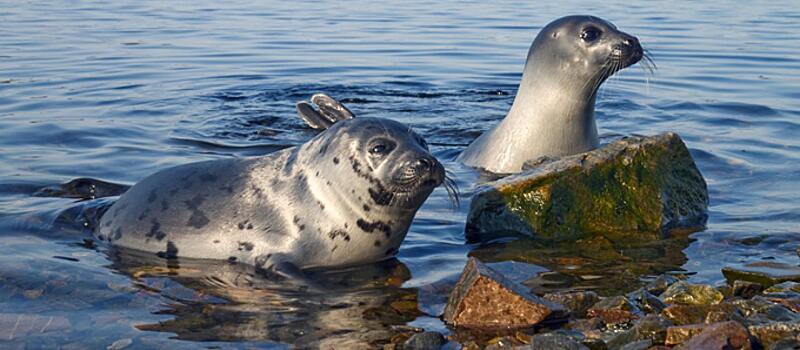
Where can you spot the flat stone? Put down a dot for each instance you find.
(691, 294)
(746, 289)
(680, 334)
(719, 336)
(483, 298)
(765, 273)
(425, 341)
(576, 302)
(637, 187)
(651, 327)
(768, 334)
(646, 302)
(761, 309)
(615, 310)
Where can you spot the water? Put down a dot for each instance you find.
(116, 91)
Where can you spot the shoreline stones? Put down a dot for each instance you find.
(637, 187)
(483, 298)
(765, 273)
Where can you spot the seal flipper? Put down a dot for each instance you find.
(330, 111)
(330, 108)
(275, 268)
(312, 117)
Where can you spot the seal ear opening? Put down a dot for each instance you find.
(330, 111)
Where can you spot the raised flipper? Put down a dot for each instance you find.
(330, 111)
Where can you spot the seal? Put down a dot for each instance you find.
(553, 111)
(345, 197)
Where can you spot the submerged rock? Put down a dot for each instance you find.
(768, 334)
(483, 298)
(556, 341)
(576, 302)
(691, 294)
(615, 310)
(746, 289)
(637, 187)
(692, 314)
(765, 273)
(660, 284)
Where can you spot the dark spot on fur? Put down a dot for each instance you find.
(321, 206)
(377, 243)
(152, 197)
(257, 191)
(317, 174)
(301, 227)
(246, 246)
(334, 233)
(372, 226)
(381, 196)
(216, 241)
(207, 178)
(198, 219)
(155, 231)
(366, 207)
(164, 204)
(232, 259)
(170, 253)
(195, 202)
(328, 183)
(117, 234)
(173, 191)
(296, 219)
(347, 238)
(335, 160)
(334, 248)
(101, 237)
(249, 226)
(143, 214)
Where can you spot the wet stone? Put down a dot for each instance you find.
(768, 334)
(719, 336)
(785, 344)
(691, 294)
(483, 298)
(646, 302)
(746, 289)
(576, 302)
(660, 284)
(691, 314)
(680, 334)
(634, 188)
(784, 288)
(425, 341)
(760, 309)
(586, 324)
(557, 341)
(615, 310)
(504, 343)
(637, 345)
(765, 273)
(650, 327)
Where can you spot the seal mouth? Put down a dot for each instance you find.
(415, 182)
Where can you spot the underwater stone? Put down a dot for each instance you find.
(680, 334)
(746, 289)
(692, 314)
(576, 302)
(634, 188)
(425, 341)
(483, 298)
(765, 273)
(615, 310)
(660, 284)
(691, 294)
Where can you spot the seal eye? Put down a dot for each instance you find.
(381, 147)
(590, 34)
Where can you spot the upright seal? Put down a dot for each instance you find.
(553, 112)
(345, 197)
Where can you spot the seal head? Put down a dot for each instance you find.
(553, 111)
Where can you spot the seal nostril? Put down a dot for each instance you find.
(424, 164)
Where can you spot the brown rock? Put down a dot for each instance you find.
(483, 298)
(719, 336)
(680, 334)
(576, 302)
(770, 333)
(615, 310)
(691, 314)
(746, 289)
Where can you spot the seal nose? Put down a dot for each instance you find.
(424, 164)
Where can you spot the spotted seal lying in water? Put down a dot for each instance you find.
(345, 197)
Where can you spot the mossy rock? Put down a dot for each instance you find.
(637, 187)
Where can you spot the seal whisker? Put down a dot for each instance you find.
(451, 186)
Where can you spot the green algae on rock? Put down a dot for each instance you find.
(765, 273)
(635, 187)
(691, 294)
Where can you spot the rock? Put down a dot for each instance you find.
(785, 288)
(691, 314)
(746, 289)
(505, 343)
(647, 302)
(425, 341)
(483, 298)
(691, 294)
(576, 302)
(768, 334)
(556, 341)
(637, 187)
(680, 334)
(615, 310)
(760, 309)
(765, 273)
(651, 327)
(786, 344)
(719, 336)
(638, 345)
(660, 284)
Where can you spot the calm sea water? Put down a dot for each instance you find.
(117, 90)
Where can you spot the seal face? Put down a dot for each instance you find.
(553, 111)
(345, 197)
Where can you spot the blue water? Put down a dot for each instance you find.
(118, 90)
